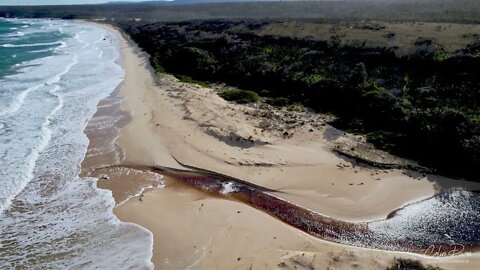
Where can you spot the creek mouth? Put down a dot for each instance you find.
(446, 224)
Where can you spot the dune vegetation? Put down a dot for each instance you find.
(415, 97)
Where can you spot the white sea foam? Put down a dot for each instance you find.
(49, 217)
(20, 99)
(30, 45)
(17, 34)
(449, 218)
(228, 187)
(41, 51)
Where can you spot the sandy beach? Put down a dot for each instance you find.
(171, 120)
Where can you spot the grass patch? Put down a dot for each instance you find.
(240, 96)
(295, 108)
(188, 79)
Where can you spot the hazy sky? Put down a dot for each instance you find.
(58, 2)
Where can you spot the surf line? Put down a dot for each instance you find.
(357, 234)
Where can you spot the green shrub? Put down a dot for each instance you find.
(265, 92)
(240, 96)
(407, 264)
(383, 139)
(298, 75)
(440, 56)
(372, 89)
(314, 78)
(267, 50)
(187, 79)
(278, 101)
(157, 66)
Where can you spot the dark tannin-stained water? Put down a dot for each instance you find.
(447, 224)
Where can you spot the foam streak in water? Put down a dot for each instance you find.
(30, 45)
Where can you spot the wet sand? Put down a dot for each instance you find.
(171, 119)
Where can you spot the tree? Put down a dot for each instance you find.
(359, 76)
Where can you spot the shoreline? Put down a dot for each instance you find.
(149, 138)
(55, 217)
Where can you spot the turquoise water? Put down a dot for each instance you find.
(14, 33)
(52, 75)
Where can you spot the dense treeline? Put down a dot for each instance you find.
(392, 10)
(424, 105)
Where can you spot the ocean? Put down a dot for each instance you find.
(52, 75)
